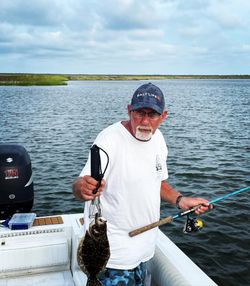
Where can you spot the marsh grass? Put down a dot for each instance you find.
(61, 79)
(32, 79)
(151, 77)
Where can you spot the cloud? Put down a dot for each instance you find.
(121, 35)
(246, 47)
(32, 13)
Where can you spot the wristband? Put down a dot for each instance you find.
(177, 202)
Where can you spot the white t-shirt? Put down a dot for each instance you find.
(131, 198)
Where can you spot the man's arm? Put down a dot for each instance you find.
(170, 195)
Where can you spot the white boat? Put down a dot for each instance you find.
(45, 254)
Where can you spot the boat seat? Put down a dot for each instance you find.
(61, 278)
(36, 250)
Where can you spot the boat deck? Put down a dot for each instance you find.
(45, 254)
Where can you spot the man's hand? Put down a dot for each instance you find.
(83, 188)
(187, 203)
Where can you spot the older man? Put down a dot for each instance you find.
(133, 185)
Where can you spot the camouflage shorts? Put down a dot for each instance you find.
(111, 277)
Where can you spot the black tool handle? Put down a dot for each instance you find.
(95, 164)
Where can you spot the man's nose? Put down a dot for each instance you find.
(145, 119)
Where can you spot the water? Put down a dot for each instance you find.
(207, 132)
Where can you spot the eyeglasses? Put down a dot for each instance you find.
(151, 115)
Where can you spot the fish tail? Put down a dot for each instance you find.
(93, 282)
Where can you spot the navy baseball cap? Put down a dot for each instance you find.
(148, 96)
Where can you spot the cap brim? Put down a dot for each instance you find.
(145, 105)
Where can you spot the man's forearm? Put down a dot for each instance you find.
(168, 193)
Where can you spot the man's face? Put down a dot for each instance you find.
(144, 122)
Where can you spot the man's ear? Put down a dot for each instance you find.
(129, 109)
(164, 115)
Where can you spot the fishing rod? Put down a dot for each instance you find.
(191, 224)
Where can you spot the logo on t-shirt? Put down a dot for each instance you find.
(158, 165)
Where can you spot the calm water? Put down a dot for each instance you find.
(207, 132)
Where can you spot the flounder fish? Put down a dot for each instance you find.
(93, 250)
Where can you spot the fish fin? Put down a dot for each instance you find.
(93, 282)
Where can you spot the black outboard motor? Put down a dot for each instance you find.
(16, 182)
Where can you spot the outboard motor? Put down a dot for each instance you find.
(16, 182)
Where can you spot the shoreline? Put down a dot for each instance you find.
(29, 79)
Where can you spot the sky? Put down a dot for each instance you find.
(125, 36)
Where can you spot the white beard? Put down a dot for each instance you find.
(143, 133)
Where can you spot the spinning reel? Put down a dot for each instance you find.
(192, 225)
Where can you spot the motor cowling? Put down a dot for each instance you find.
(16, 181)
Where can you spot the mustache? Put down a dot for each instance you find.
(144, 128)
